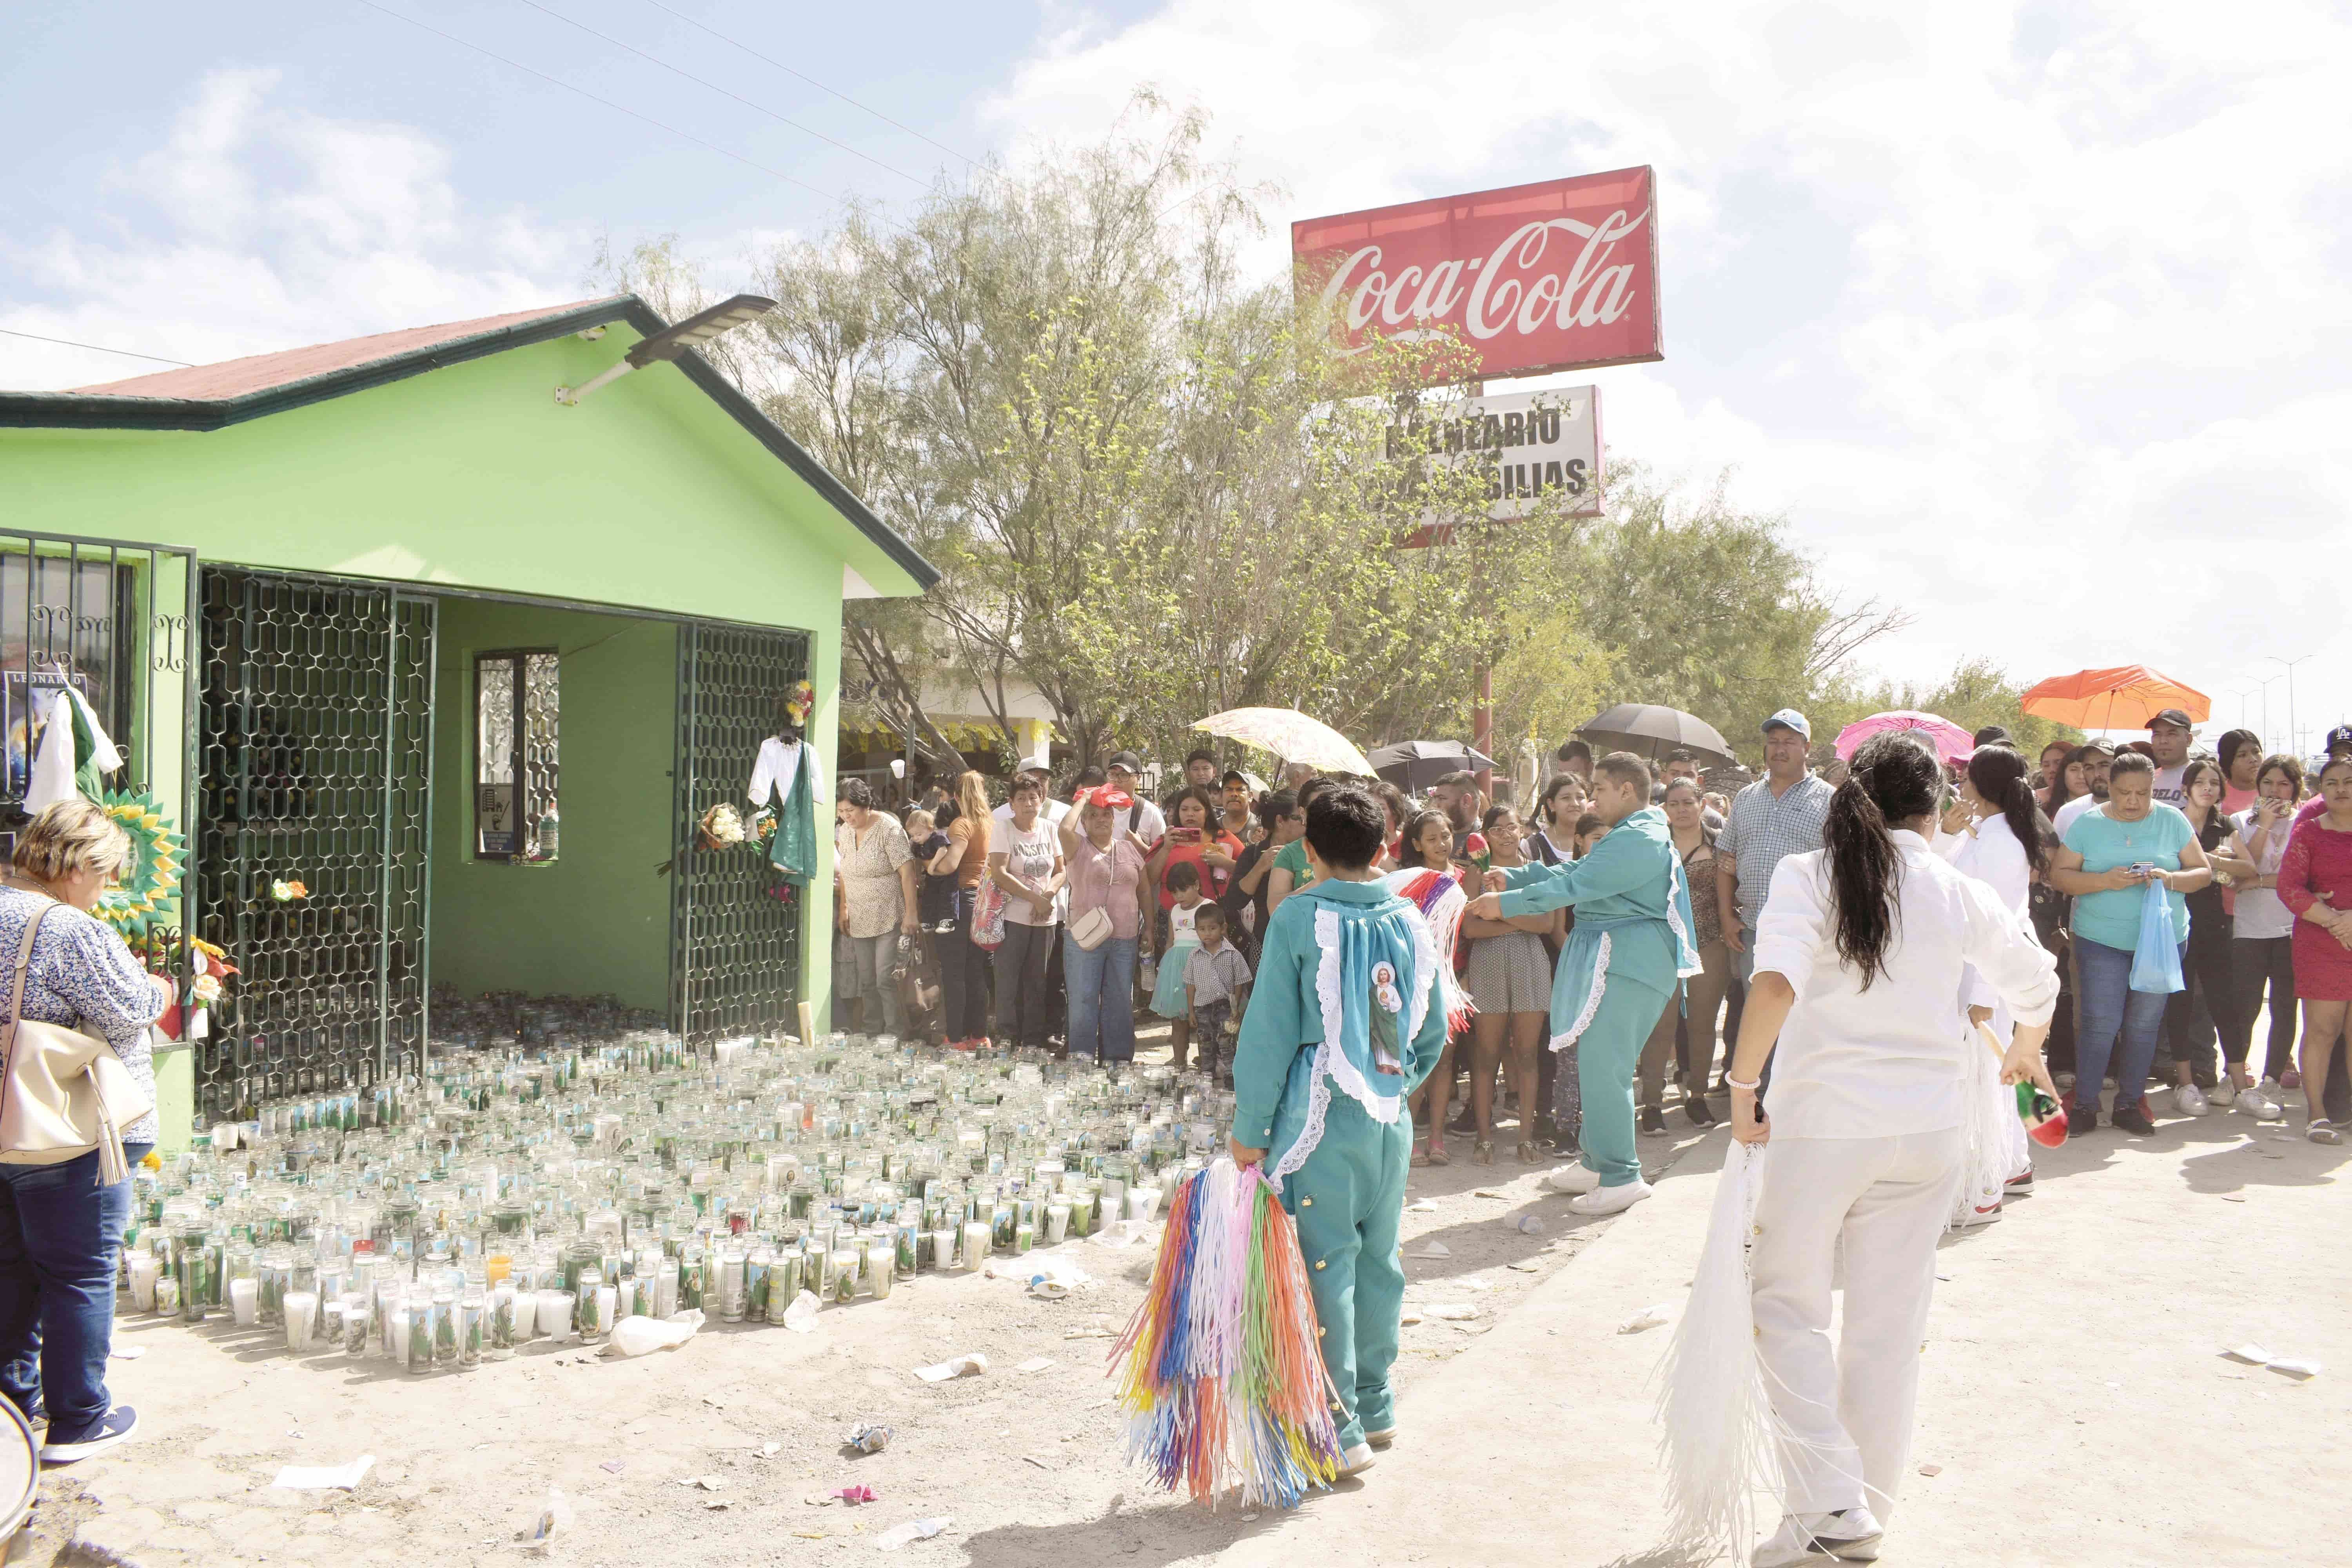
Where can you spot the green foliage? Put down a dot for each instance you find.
(1153, 496)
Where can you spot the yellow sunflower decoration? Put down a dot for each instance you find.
(151, 880)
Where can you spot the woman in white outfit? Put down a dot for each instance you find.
(1859, 954)
(1995, 833)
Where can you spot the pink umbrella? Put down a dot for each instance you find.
(1952, 743)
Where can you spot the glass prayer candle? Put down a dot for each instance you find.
(357, 1314)
(846, 1271)
(1058, 1224)
(975, 1244)
(244, 1301)
(881, 1268)
(301, 1320)
(732, 1267)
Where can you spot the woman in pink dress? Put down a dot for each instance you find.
(2315, 880)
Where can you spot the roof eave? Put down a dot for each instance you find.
(88, 411)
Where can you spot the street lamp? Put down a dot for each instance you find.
(2293, 737)
(670, 341)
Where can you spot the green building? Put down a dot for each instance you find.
(387, 617)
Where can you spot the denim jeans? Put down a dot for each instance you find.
(1021, 1016)
(60, 1232)
(2110, 1007)
(1102, 998)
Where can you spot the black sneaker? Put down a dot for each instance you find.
(1465, 1124)
(1652, 1121)
(2131, 1119)
(96, 1439)
(1695, 1108)
(2081, 1119)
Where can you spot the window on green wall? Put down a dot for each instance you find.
(515, 710)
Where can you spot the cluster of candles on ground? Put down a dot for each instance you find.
(515, 1196)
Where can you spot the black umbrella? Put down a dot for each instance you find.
(1415, 766)
(1652, 731)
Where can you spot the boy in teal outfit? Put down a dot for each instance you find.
(1349, 998)
(1623, 962)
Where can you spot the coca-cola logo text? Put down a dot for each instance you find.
(1535, 278)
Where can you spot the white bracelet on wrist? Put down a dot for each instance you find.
(1730, 1082)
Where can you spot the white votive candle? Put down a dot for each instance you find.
(301, 1318)
(244, 1299)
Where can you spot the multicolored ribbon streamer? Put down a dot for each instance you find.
(1220, 1372)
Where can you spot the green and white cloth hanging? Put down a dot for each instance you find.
(75, 755)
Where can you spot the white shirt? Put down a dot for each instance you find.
(2168, 785)
(2073, 809)
(2260, 912)
(1853, 1063)
(1992, 854)
(779, 760)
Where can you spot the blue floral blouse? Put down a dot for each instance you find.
(84, 977)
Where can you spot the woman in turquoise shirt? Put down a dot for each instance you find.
(2110, 855)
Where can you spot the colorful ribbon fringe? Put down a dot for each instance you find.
(1222, 1380)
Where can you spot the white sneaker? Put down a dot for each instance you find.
(2223, 1093)
(2269, 1090)
(1975, 1215)
(1850, 1536)
(1571, 1179)
(2261, 1106)
(1610, 1200)
(2066, 1080)
(2189, 1100)
(1355, 1461)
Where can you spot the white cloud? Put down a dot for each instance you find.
(253, 229)
(2012, 307)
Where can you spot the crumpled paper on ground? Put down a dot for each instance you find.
(1655, 1317)
(2289, 1366)
(897, 1535)
(801, 1316)
(966, 1365)
(312, 1478)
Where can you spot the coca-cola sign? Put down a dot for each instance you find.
(1562, 275)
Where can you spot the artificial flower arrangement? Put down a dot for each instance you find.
(286, 892)
(802, 699)
(722, 826)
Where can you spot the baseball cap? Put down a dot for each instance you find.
(1790, 719)
(1111, 799)
(1040, 763)
(1127, 760)
(2339, 736)
(1235, 775)
(2172, 716)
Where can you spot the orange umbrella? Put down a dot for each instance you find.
(2124, 697)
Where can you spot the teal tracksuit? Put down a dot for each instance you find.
(1622, 964)
(1348, 1198)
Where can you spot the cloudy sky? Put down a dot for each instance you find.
(2031, 317)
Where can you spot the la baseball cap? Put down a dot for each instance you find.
(2340, 736)
(1788, 719)
(1127, 760)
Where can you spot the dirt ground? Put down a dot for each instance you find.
(1028, 1468)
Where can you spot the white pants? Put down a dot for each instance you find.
(1846, 1412)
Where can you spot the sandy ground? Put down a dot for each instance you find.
(2075, 1407)
(1028, 1466)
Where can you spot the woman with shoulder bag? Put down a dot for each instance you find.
(61, 1225)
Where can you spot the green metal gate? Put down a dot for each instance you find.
(735, 951)
(317, 765)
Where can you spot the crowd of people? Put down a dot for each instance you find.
(1055, 919)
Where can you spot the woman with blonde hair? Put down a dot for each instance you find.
(963, 963)
(60, 1230)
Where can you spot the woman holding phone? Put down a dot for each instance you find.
(2108, 856)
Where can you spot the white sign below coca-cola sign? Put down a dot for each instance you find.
(1560, 275)
(1540, 452)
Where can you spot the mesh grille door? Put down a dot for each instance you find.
(316, 767)
(735, 955)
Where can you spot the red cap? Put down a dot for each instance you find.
(1111, 799)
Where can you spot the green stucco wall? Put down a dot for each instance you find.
(596, 920)
(647, 495)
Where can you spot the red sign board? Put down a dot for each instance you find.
(1561, 275)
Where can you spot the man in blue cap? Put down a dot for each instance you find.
(1778, 815)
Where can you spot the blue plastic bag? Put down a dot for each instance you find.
(2155, 962)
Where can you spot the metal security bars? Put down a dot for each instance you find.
(517, 710)
(112, 620)
(735, 953)
(316, 767)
